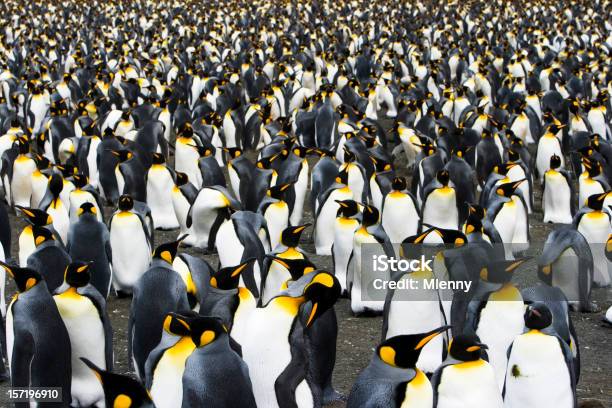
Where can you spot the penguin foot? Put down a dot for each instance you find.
(4, 377)
(590, 307)
(330, 396)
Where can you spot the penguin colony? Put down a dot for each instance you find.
(227, 122)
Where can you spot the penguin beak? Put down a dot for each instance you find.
(7, 269)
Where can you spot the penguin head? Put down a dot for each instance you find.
(554, 128)
(381, 166)
(349, 156)
(501, 271)
(320, 290)
(513, 156)
(180, 178)
(278, 191)
(290, 237)
(370, 216)
(168, 250)
(42, 163)
(508, 189)
(466, 347)
(126, 202)
(186, 131)
(403, 351)
(34, 216)
(25, 278)
(228, 278)
(178, 324)
(595, 201)
(266, 162)
(158, 158)
(451, 236)
(41, 235)
(79, 180)
(342, 177)
(399, 184)
(348, 208)
(477, 210)
(443, 177)
(23, 145)
(473, 224)
(120, 390)
(555, 162)
(206, 329)
(77, 274)
(233, 152)
(296, 267)
(87, 208)
(538, 316)
(123, 154)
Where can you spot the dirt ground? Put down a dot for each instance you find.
(359, 336)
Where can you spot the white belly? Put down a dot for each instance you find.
(343, 246)
(418, 316)
(469, 385)
(543, 378)
(324, 227)
(186, 161)
(61, 219)
(228, 245)
(181, 209)
(21, 183)
(500, 322)
(263, 335)
(86, 333)
(159, 197)
(556, 199)
(277, 218)
(440, 209)
(131, 251)
(300, 194)
(400, 218)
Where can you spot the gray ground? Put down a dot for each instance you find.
(359, 336)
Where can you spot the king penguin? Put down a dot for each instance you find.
(369, 240)
(83, 311)
(275, 272)
(594, 224)
(558, 202)
(507, 211)
(392, 378)
(89, 241)
(540, 368)
(159, 291)
(496, 316)
(326, 213)
(346, 223)
(440, 207)
(566, 262)
(272, 340)
(55, 206)
(193, 361)
(160, 183)
(130, 245)
(49, 257)
(464, 379)
(276, 211)
(400, 215)
(37, 342)
(33, 217)
(120, 390)
(183, 195)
